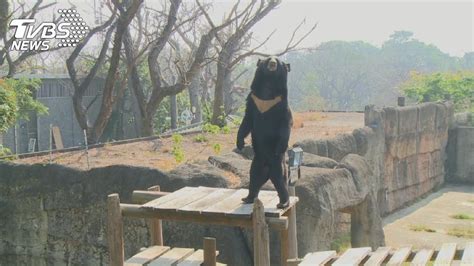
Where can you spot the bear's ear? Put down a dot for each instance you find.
(259, 62)
(288, 68)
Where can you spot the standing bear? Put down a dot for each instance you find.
(268, 119)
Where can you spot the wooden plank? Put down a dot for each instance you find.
(399, 256)
(186, 199)
(318, 258)
(468, 255)
(146, 256)
(208, 200)
(261, 240)
(196, 259)
(378, 256)
(265, 196)
(115, 230)
(172, 257)
(178, 193)
(422, 257)
(272, 211)
(58, 140)
(352, 256)
(445, 254)
(227, 204)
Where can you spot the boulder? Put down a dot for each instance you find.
(314, 146)
(341, 145)
(322, 193)
(311, 160)
(200, 173)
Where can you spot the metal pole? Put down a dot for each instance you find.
(50, 143)
(87, 149)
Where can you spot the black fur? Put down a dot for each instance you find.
(270, 130)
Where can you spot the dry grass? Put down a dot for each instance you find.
(462, 216)
(421, 228)
(461, 232)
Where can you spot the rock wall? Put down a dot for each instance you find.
(54, 215)
(405, 147)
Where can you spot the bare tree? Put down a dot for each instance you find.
(185, 72)
(112, 90)
(13, 60)
(232, 52)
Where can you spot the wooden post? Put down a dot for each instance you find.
(284, 246)
(401, 101)
(209, 247)
(115, 230)
(292, 239)
(156, 229)
(261, 241)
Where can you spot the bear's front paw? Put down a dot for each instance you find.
(240, 144)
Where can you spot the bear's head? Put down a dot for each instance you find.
(270, 79)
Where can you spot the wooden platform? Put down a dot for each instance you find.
(446, 255)
(164, 256)
(217, 202)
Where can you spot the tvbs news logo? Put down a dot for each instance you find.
(68, 31)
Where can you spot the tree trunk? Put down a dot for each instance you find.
(218, 110)
(173, 111)
(228, 101)
(194, 92)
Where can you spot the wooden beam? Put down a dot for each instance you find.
(115, 230)
(134, 210)
(143, 196)
(292, 231)
(156, 228)
(261, 241)
(209, 246)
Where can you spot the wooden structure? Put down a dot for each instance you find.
(218, 206)
(446, 255)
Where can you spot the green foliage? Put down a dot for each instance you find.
(217, 148)
(17, 101)
(201, 138)
(342, 75)
(4, 151)
(178, 151)
(458, 86)
(225, 129)
(341, 243)
(206, 112)
(210, 128)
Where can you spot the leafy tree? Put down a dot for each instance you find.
(458, 86)
(17, 101)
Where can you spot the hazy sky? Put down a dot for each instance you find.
(446, 24)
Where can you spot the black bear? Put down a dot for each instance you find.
(268, 119)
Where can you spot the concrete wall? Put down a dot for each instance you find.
(461, 155)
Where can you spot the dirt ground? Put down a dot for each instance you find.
(433, 213)
(158, 153)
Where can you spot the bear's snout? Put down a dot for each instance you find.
(272, 64)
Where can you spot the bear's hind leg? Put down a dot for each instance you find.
(258, 177)
(279, 179)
